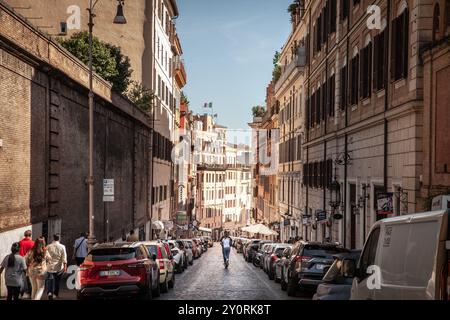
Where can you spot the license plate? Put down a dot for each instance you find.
(109, 273)
(320, 266)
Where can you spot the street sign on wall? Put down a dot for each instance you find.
(108, 190)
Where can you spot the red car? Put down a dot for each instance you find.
(123, 269)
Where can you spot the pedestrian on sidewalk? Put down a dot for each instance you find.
(37, 260)
(132, 237)
(15, 267)
(57, 267)
(25, 246)
(81, 249)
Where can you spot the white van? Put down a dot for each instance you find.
(412, 255)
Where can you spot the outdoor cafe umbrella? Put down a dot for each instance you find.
(260, 229)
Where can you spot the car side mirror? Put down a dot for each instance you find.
(349, 269)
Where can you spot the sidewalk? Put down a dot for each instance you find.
(64, 292)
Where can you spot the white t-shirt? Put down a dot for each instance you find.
(226, 242)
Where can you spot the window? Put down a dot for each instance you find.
(354, 90)
(63, 28)
(399, 55)
(332, 15)
(330, 100)
(344, 9)
(344, 86)
(313, 110)
(369, 253)
(318, 105)
(379, 58)
(436, 22)
(366, 71)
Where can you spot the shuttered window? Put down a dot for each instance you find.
(366, 71)
(318, 104)
(354, 89)
(330, 100)
(344, 9)
(379, 58)
(399, 55)
(344, 86)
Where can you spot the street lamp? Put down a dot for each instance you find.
(335, 195)
(119, 19)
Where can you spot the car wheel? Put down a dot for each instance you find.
(172, 281)
(80, 296)
(146, 293)
(157, 290)
(283, 284)
(165, 286)
(291, 287)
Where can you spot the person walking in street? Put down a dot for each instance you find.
(15, 267)
(226, 244)
(132, 237)
(80, 249)
(57, 267)
(25, 246)
(37, 261)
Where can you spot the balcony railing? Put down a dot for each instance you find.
(297, 64)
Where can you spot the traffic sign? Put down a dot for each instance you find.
(108, 190)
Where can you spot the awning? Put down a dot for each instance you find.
(204, 229)
(260, 229)
(158, 225)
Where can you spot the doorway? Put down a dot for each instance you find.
(352, 216)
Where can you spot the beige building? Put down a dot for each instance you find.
(150, 41)
(290, 92)
(361, 111)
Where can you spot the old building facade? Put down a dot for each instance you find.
(362, 114)
(44, 149)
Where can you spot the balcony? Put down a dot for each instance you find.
(297, 64)
(180, 72)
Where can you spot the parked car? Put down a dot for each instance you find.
(188, 245)
(266, 254)
(279, 265)
(307, 265)
(273, 257)
(166, 272)
(411, 253)
(257, 258)
(179, 256)
(250, 250)
(337, 282)
(122, 269)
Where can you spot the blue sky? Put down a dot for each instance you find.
(228, 50)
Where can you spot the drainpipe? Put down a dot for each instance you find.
(386, 98)
(346, 136)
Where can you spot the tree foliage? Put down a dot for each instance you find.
(107, 59)
(258, 111)
(140, 96)
(184, 98)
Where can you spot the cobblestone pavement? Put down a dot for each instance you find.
(207, 279)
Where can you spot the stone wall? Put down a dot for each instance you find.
(44, 133)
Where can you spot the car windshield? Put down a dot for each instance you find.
(322, 252)
(279, 250)
(111, 254)
(171, 245)
(153, 250)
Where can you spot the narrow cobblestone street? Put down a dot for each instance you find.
(208, 280)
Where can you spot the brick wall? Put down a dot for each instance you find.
(44, 128)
